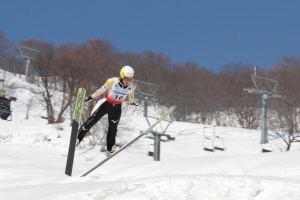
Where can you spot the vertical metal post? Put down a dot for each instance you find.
(27, 68)
(2, 92)
(214, 132)
(264, 129)
(145, 106)
(156, 147)
(268, 89)
(28, 54)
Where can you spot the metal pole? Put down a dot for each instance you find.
(264, 129)
(156, 147)
(145, 106)
(27, 67)
(2, 89)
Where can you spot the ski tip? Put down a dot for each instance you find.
(172, 108)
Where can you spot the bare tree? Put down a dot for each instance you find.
(233, 78)
(44, 67)
(287, 120)
(287, 110)
(62, 70)
(87, 65)
(8, 59)
(247, 112)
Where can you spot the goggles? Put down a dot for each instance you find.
(128, 79)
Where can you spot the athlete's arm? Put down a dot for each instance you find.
(108, 84)
(131, 95)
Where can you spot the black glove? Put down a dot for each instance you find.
(134, 104)
(88, 99)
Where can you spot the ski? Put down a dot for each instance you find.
(75, 124)
(171, 109)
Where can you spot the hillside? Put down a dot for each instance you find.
(33, 157)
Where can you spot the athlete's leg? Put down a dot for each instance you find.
(114, 116)
(92, 120)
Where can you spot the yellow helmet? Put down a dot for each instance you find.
(127, 71)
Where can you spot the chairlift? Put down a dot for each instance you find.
(221, 146)
(219, 142)
(205, 148)
(266, 148)
(208, 142)
(5, 110)
(212, 143)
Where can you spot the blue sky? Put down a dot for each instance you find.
(211, 33)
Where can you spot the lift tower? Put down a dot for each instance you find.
(28, 54)
(268, 89)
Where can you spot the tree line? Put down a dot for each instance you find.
(200, 94)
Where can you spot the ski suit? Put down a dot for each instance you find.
(112, 106)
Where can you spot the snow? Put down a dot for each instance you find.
(33, 158)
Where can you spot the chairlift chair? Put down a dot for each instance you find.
(221, 146)
(267, 148)
(5, 111)
(215, 142)
(207, 141)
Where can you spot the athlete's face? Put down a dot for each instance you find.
(127, 80)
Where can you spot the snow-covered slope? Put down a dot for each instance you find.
(33, 157)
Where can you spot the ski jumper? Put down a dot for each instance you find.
(112, 106)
